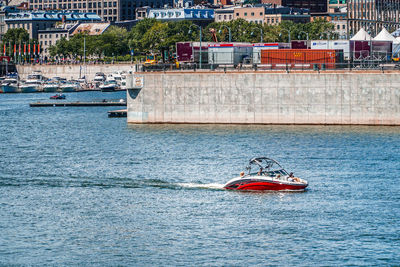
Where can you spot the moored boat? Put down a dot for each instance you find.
(9, 85)
(50, 86)
(69, 87)
(270, 176)
(109, 86)
(30, 86)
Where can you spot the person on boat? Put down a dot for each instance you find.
(241, 174)
(260, 171)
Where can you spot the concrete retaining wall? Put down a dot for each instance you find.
(267, 98)
(72, 71)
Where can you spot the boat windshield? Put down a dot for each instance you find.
(269, 166)
(34, 77)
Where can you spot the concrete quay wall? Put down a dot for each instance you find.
(266, 98)
(72, 71)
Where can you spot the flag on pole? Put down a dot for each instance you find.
(34, 49)
(5, 50)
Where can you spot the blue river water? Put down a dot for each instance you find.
(79, 188)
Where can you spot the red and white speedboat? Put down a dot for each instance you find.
(269, 175)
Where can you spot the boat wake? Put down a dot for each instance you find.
(213, 186)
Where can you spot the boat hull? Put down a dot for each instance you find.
(29, 89)
(50, 89)
(9, 89)
(264, 185)
(68, 89)
(108, 88)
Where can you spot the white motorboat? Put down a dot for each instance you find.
(10, 85)
(69, 87)
(30, 86)
(50, 86)
(109, 86)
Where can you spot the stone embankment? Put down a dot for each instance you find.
(345, 98)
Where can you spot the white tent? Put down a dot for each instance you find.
(361, 35)
(384, 35)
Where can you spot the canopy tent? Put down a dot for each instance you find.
(361, 35)
(384, 35)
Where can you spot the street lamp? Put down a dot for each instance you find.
(262, 39)
(190, 31)
(229, 32)
(303, 32)
(288, 31)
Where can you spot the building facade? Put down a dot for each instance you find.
(372, 15)
(201, 16)
(108, 10)
(315, 6)
(224, 14)
(33, 22)
(250, 14)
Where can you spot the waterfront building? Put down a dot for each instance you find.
(33, 22)
(201, 16)
(265, 14)
(224, 14)
(250, 14)
(50, 36)
(274, 16)
(315, 6)
(112, 10)
(372, 15)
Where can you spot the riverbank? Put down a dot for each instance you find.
(327, 98)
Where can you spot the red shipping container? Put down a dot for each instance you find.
(301, 58)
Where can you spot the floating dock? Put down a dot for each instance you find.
(117, 113)
(77, 104)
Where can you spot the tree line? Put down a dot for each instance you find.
(153, 36)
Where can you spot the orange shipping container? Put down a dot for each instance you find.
(301, 58)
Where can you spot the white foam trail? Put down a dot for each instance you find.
(201, 186)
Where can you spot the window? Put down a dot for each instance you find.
(114, 4)
(115, 12)
(338, 27)
(49, 42)
(84, 5)
(90, 5)
(272, 21)
(344, 27)
(105, 4)
(261, 13)
(245, 13)
(79, 5)
(252, 14)
(94, 5)
(45, 42)
(237, 14)
(105, 12)
(74, 5)
(45, 36)
(56, 35)
(99, 4)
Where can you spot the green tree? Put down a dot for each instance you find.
(16, 36)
